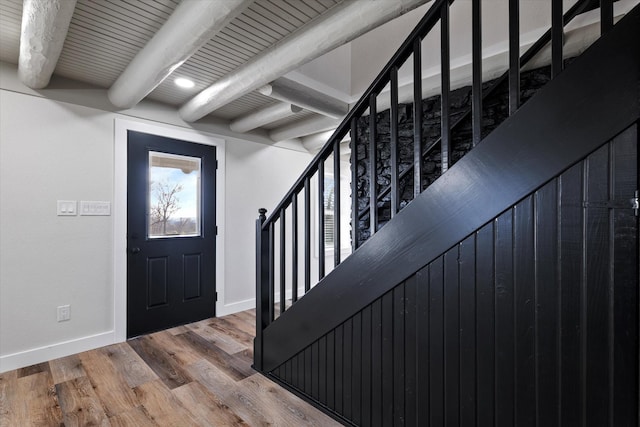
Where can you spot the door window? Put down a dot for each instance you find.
(174, 195)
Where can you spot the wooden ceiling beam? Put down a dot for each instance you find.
(190, 26)
(44, 28)
(338, 26)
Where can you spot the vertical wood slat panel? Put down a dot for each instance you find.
(336, 203)
(525, 313)
(476, 67)
(625, 257)
(393, 142)
(411, 358)
(308, 372)
(417, 117)
(398, 345)
(287, 371)
(611, 169)
(292, 374)
(355, 208)
(597, 289)
(315, 370)
(283, 262)
(339, 369)
(445, 69)
(356, 370)
(373, 165)
(504, 318)
(291, 369)
(485, 325)
(367, 372)
(331, 370)
(423, 367)
(307, 234)
(322, 369)
(451, 334)
(467, 331)
(347, 373)
(376, 363)
(436, 343)
(321, 251)
(547, 290)
(583, 299)
(301, 370)
(295, 377)
(294, 248)
(387, 359)
(514, 56)
(570, 246)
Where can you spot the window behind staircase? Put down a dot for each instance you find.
(329, 200)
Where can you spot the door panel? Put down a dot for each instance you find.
(171, 232)
(157, 282)
(191, 272)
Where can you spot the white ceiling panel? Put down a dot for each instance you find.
(105, 35)
(10, 23)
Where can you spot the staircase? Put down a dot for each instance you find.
(506, 291)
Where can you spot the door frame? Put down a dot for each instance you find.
(120, 209)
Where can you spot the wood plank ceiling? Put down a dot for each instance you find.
(105, 35)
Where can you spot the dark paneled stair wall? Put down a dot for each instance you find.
(506, 293)
(531, 320)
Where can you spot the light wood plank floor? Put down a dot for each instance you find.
(194, 375)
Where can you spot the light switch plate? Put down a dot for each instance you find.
(67, 208)
(95, 208)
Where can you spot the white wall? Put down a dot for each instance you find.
(372, 51)
(261, 176)
(52, 150)
(330, 73)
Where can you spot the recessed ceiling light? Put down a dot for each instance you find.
(184, 83)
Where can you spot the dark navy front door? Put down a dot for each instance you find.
(171, 232)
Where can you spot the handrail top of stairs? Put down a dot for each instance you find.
(424, 26)
(420, 31)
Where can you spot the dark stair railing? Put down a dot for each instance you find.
(554, 34)
(314, 175)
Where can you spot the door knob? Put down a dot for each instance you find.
(135, 250)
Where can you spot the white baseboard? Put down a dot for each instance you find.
(54, 351)
(234, 307)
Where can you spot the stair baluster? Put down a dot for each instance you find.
(336, 202)
(476, 65)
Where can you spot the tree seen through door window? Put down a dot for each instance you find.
(174, 195)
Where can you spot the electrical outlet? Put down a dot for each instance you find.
(64, 313)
